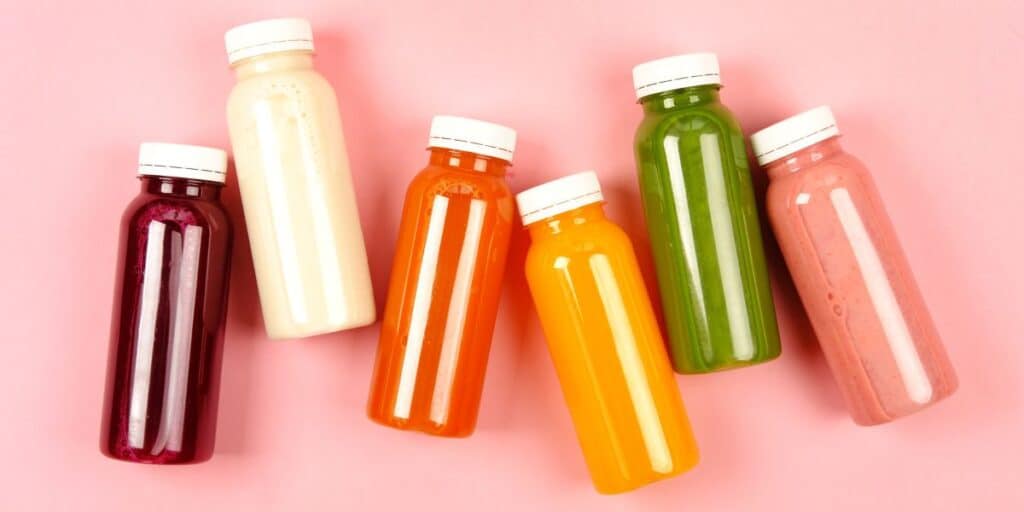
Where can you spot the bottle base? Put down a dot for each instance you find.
(164, 459)
(321, 329)
(882, 417)
(624, 487)
(723, 366)
(426, 428)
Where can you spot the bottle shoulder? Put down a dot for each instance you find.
(825, 172)
(697, 119)
(279, 84)
(578, 243)
(147, 208)
(441, 180)
(818, 180)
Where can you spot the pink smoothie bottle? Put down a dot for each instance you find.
(850, 271)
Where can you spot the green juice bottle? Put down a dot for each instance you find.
(699, 203)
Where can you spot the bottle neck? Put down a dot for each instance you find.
(181, 187)
(471, 162)
(556, 225)
(273, 63)
(681, 98)
(806, 157)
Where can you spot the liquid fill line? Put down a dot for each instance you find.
(901, 343)
(677, 183)
(632, 367)
(172, 421)
(281, 218)
(174, 264)
(421, 307)
(326, 245)
(143, 359)
(725, 246)
(455, 324)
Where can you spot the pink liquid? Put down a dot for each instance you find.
(167, 331)
(856, 285)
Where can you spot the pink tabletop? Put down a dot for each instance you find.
(930, 97)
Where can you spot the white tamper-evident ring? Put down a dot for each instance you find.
(182, 161)
(268, 36)
(671, 73)
(559, 196)
(473, 136)
(793, 134)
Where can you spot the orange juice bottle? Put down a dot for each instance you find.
(445, 282)
(603, 338)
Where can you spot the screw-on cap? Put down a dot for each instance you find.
(677, 72)
(480, 137)
(791, 135)
(268, 36)
(559, 196)
(182, 161)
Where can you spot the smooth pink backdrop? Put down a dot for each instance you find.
(929, 94)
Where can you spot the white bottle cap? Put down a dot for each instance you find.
(464, 134)
(182, 161)
(268, 36)
(677, 72)
(791, 135)
(558, 196)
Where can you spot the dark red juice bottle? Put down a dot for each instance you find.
(170, 301)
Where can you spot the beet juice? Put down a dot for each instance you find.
(167, 330)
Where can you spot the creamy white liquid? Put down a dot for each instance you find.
(300, 207)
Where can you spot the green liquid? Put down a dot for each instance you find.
(705, 237)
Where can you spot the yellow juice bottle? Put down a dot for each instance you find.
(603, 338)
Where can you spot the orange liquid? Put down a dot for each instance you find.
(443, 296)
(608, 351)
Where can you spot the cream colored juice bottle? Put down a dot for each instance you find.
(293, 173)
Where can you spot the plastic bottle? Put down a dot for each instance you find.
(702, 217)
(603, 337)
(163, 373)
(446, 282)
(293, 173)
(850, 271)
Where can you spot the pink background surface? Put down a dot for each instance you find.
(930, 97)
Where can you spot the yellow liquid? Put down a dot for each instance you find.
(608, 351)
